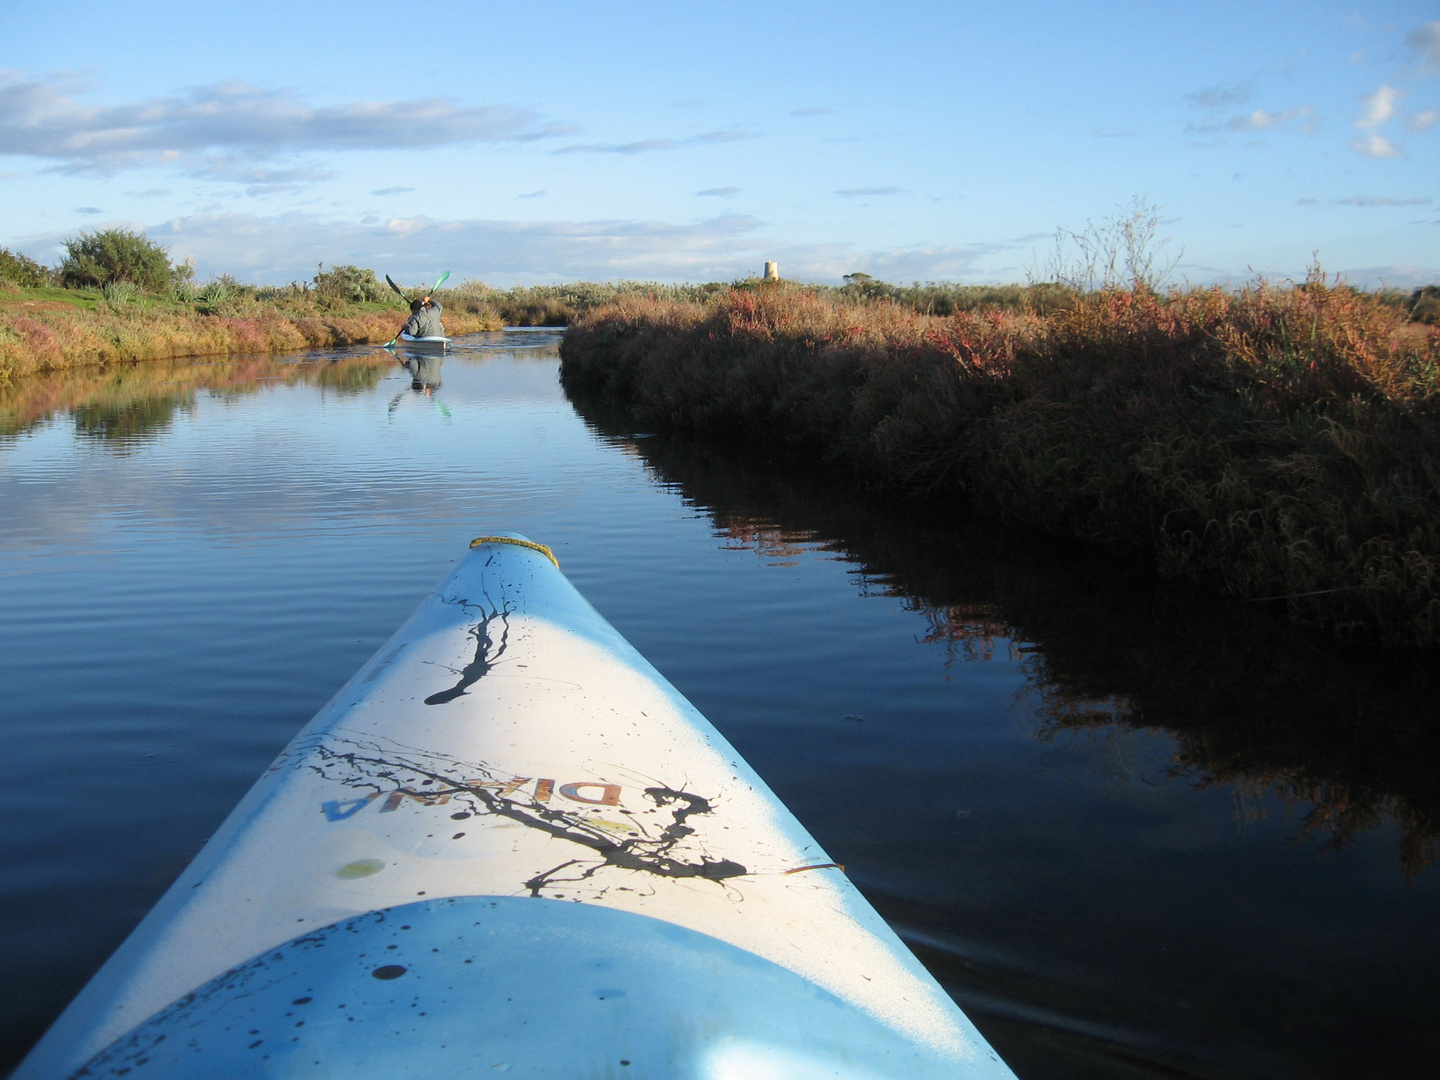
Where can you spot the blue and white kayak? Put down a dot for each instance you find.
(430, 343)
(508, 845)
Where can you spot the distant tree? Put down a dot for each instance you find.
(96, 259)
(348, 284)
(863, 284)
(22, 270)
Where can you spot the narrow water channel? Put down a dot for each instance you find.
(1134, 833)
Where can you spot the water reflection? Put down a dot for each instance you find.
(125, 421)
(134, 401)
(424, 372)
(1346, 736)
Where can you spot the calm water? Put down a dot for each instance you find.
(1134, 834)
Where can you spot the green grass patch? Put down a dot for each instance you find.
(84, 299)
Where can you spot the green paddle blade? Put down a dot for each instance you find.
(443, 278)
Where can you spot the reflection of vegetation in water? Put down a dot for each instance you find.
(350, 375)
(128, 420)
(968, 631)
(140, 399)
(1347, 736)
(1340, 799)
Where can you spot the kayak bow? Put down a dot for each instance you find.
(509, 844)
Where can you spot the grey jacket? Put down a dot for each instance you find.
(425, 322)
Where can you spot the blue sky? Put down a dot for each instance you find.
(691, 142)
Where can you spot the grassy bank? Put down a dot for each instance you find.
(1280, 443)
(48, 327)
(52, 329)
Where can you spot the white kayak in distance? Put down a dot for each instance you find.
(429, 344)
(508, 845)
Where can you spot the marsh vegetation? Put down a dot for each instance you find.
(116, 297)
(1281, 442)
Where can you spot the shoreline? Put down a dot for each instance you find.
(1279, 445)
(39, 335)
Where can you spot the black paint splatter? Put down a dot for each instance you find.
(381, 767)
(487, 651)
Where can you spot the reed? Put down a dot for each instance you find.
(1281, 443)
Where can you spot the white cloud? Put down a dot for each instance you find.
(42, 118)
(382, 192)
(641, 146)
(645, 146)
(1380, 107)
(1391, 277)
(407, 226)
(283, 247)
(286, 247)
(923, 263)
(720, 192)
(1426, 41)
(1221, 96)
(1376, 146)
(1380, 200)
(1262, 120)
(1423, 121)
(236, 169)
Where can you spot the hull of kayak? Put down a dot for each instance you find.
(509, 844)
(430, 344)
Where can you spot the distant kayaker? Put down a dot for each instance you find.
(424, 319)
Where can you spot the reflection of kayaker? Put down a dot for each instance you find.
(424, 372)
(424, 321)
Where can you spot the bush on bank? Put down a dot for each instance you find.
(1283, 443)
(94, 260)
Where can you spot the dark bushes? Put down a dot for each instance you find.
(22, 270)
